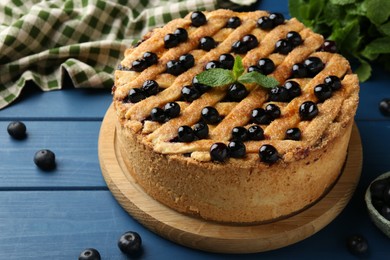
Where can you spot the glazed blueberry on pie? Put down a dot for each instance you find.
(240, 152)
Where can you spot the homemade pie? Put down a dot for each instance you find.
(239, 153)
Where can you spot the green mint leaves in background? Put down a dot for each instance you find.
(361, 28)
(221, 77)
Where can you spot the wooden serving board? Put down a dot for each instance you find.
(214, 237)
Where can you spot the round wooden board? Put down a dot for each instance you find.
(214, 237)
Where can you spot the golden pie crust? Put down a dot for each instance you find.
(244, 190)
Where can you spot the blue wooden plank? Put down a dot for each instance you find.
(375, 137)
(75, 146)
(280, 6)
(79, 104)
(45, 225)
(371, 93)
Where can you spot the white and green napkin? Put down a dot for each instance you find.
(43, 40)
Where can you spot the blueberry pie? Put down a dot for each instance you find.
(238, 153)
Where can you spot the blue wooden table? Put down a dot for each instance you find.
(58, 214)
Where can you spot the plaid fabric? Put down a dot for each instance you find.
(41, 40)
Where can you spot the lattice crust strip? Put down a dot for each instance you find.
(333, 112)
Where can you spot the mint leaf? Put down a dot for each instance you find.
(364, 70)
(342, 2)
(216, 77)
(376, 47)
(238, 67)
(385, 28)
(378, 11)
(258, 78)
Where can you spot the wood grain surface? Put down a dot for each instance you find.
(213, 237)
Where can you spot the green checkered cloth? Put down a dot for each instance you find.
(40, 41)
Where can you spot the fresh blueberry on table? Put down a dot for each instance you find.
(384, 107)
(45, 159)
(90, 254)
(130, 243)
(17, 130)
(357, 244)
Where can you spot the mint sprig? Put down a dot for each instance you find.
(221, 77)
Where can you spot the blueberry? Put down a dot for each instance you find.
(294, 38)
(278, 94)
(268, 154)
(313, 65)
(181, 34)
(384, 106)
(385, 212)
(283, 46)
(293, 134)
(250, 41)
(185, 134)
(172, 109)
(207, 43)
(333, 82)
(130, 243)
(201, 130)
(187, 61)
(45, 160)
(123, 68)
(265, 23)
(198, 19)
(299, 71)
(253, 68)
(239, 47)
(308, 110)
(157, 114)
(150, 58)
(322, 92)
(219, 152)
(150, 87)
(237, 149)
(200, 87)
(293, 89)
(276, 18)
(233, 22)
(259, 116)
(266, 66)
(377, 188)
(329, 46)
(212, 65)
(386, 195)
(17, 130)
(378, 204)
(139, 65)
(210, 115)
(135, 95)
(357, 244)
(255, 133)
(239, 133)
(189, 93)
(174, 68)
(273, 111)
(227, 61)
(89, 254)
(237, 92)
(170, 40)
